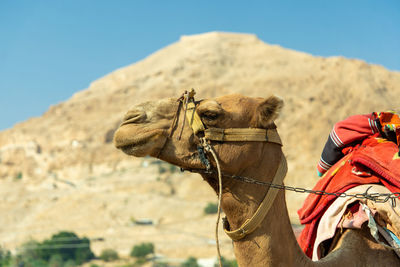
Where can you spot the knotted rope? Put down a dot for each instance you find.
(208, 148)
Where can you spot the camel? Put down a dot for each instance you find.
(160, 129)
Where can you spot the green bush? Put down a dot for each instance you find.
(56, 261)
(70, 263)
(211, 208)
(18, 176)
(139, 262)
(109, 255)
(33, 263)
(27, 261)
(173, 168)
(160, 264)
(161, 169)
(142, 250)
(164, 167)
(5, 257)
(64, 249)
(227, 263)
(190, 262)
(30, 252)
(69, 246)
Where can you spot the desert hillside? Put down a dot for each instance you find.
(60, 171)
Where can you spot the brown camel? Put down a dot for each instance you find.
(160, 129)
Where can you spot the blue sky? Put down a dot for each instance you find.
(51, 49)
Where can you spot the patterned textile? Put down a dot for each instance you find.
(374, 161)
(390, 125)
(354, 130)
(344, 133)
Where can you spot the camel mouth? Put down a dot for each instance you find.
(138, 144)
(129, 144)
(131, 149)
(140, 147)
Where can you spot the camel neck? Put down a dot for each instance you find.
(273, 243)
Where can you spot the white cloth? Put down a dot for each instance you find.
(333, 215)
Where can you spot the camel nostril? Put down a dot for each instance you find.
(134, 116)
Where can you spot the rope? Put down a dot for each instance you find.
(174, 121)
(185, 103)
(208, 148)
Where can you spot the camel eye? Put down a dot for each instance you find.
(210, 112)
(210, 116)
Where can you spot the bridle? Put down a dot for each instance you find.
(189, 104)
(204, 147)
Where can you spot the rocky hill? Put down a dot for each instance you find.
(61, 171)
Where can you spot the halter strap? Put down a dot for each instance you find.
(231, 134)
(251, 224)
(243, 134)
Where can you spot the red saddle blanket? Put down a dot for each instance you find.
(375, 161)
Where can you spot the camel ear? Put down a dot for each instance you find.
(268, 111)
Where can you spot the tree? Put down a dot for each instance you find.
(142, 250)
(227, 263)
(69, 246)
(109, 255)
(56, 261)
(60, 249)
(5, 257)
(190, 262)
(211, 208)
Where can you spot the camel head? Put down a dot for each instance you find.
(159, 129)
(238, 131)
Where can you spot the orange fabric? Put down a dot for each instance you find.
(375, 161)
(388, 118)
(391, 120)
